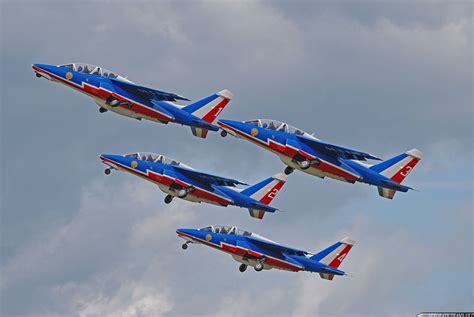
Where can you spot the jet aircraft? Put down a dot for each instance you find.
(303, 151)
(177, 179)
(116, 93)
(251, 249)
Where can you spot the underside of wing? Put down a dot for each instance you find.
(337, 151)
(208, 178)
(147, 93)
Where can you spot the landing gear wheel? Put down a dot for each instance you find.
(223, 133)
(168, 199)
(38, 75)
(184, 246)
(242, 267)
(304, 164)
(102, 110)
(289, 170)
(182, 193)
(107, 171)
(258, 267)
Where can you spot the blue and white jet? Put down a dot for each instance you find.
(177, 179)
(118, 94)
(303, 151)
(251, 249)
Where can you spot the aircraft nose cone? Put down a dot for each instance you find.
(42, 67)
(183, 231)
(105, 157)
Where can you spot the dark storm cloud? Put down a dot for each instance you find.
(382, 77)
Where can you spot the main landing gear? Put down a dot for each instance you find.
(224, 134)
(242, 267)
(107, 171)
(169, 199)
(289, 170)
(102, 110)
(259, 266)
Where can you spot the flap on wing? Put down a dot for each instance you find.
(147, 93)
(208, 178)
(273, 246)
(337, 151)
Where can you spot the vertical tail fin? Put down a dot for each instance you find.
(397, 168)
(334, 255)
(265, 191)
(209, 108)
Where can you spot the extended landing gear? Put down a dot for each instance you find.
(38, 75)
(242, 267)
(224, 134)
(107, 171)
(102, 110)
(169, 199)
(289, 170)
(258, 267)
(182, 193)
(304, 164)
(185, 246)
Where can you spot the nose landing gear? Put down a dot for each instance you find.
(168, 199)
(289, 170)
(242, 267)
(107, 171)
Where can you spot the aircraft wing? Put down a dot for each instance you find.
(337, 151)
(273, 246)
(208, 178)
(147, 93)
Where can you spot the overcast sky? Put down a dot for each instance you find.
(382, 77)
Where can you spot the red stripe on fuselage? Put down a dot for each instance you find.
(104, 94)
(288, 150)
(167, 181)
(240, 251)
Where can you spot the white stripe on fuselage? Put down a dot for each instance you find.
(148, 172)
(243, 249)
(82, 89)
(266, 145)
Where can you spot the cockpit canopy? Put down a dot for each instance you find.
(278, 126)
(153, 157)
(94, 70)
(233, 230)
